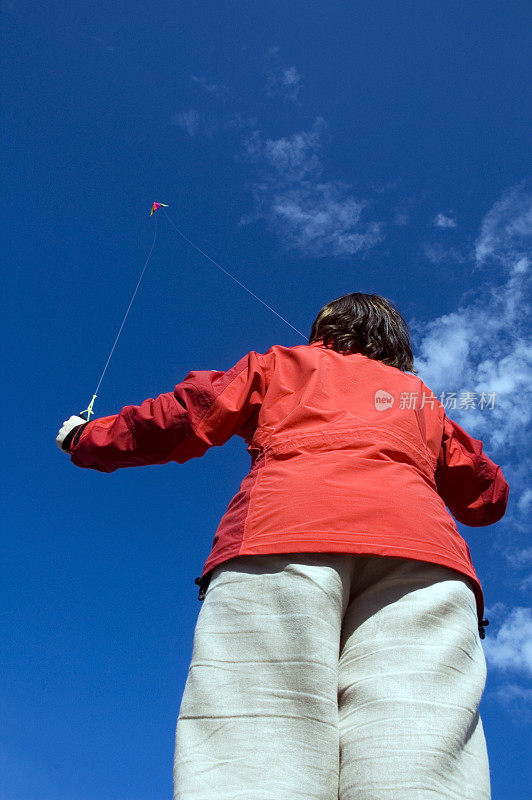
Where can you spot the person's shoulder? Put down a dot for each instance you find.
(290, 347)
(281, 350)
(279, 355)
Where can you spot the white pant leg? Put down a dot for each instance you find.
(411, 675)
(259, 714)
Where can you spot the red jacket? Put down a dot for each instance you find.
(348, 455)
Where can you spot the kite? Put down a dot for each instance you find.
(155, 206)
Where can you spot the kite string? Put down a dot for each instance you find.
(232, 276)
(89, 410)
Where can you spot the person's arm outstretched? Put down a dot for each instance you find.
(204, 410)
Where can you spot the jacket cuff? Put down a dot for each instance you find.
(73, 437)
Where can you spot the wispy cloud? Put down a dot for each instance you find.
(526, 584)
(187, 120)
(522, 557)
(510, 650)
(525, 503)
(517, 699)
(438, 254)
(211, 88)
(292, 158)
(285, 81)
(314, 216)
(321, 219)
(442, 221)
(506, 231)
(281, 80)
(401, 217)
(408, 206)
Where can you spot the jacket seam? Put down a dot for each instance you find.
(196, 426)
(253, 491)
(421, 459)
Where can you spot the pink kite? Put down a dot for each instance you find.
(155, 206)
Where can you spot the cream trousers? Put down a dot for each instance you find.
(329, 676)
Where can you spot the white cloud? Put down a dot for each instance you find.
(517, 700)
(525, 502)
(290, 76)
(292, 158)
(485, 346)
(438, 254)
(506, 231)
(282, 81)
(442, 221)
(320, 219)
(511, 648)
(316, 217)
(211, 88)
(188, 120)
(519, 558)
(511, 691)
(495, 609)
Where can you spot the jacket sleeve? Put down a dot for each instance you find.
(205, 410)
(471, 484)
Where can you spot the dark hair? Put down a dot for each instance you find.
(367, 324)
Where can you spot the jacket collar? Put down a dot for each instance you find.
(319, 343)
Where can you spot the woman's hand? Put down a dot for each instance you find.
(68, 425)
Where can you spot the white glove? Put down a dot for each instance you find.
(68, 424)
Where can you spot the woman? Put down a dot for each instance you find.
(337, 650)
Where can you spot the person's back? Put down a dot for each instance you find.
(345, 453)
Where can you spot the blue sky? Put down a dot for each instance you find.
(312, 149)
